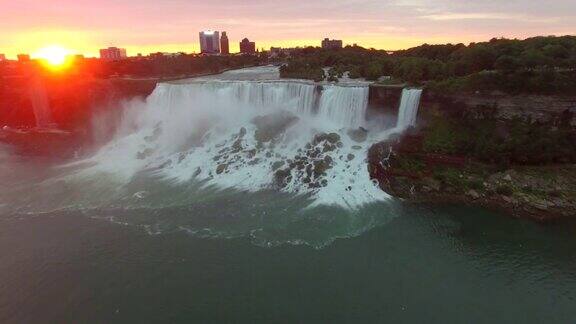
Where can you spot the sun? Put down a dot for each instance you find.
(53, 55)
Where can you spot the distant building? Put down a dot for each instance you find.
(2, 57)
(331, 43)
(224, 44)
(113, 54)
(209, 42)
(247, 47)
(23, 58)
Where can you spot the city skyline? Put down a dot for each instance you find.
(391, 25)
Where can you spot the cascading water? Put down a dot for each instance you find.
(408, 110)
(344, 105)
(250, 136)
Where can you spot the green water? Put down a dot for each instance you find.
(426, 265)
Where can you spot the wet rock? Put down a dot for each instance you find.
(358, 135)
(320, 167)
(251, 153)
(155, 135)
(270, 127)
(221, 168)
(144, 154)
(283, 177)
(277, 165)
(332, 138)
(473, 194)
(432, 183)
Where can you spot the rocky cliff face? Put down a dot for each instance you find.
(536, 108)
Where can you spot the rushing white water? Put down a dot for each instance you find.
(251, 136)
(408, 111)
(344, 105)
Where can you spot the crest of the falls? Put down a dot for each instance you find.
(408, 110)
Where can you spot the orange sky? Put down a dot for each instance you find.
(144, 26)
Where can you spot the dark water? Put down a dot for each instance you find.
(428, 265)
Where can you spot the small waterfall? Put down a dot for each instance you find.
(344, 105)
(40, 104)
(408, 110)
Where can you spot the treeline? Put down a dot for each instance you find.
(165, 66)
(535, 65)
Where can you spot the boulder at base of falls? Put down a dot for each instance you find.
(358, 135)
(269, 127)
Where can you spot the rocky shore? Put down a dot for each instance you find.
(405, 170)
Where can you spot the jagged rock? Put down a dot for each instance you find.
(277, 165)
(251, 153)
(155, 135)
(358, 135)
(320, 168)
(144, 154)
(221, 168)
(473, 194)
(509, 200)
(432, 183)
(541, 205)
(283, 177)
(330, 138)
(269, 127)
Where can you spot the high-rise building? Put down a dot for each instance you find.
(210, 42)
(331, 43)
(224, 44)
(2, 57)
(23, 57)
(113, 53)
(247, 47)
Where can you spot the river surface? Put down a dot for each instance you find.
(242, 198)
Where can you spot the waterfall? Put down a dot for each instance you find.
(249, 136)
(344, 105)
(39, 100)
(408, 110)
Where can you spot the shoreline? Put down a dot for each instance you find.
(539, 193)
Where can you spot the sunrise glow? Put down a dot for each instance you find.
(54, 56)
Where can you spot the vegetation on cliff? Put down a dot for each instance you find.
(545, 65)
(523, 166)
